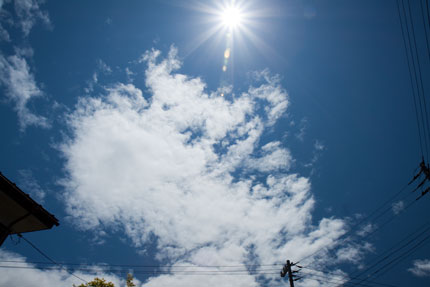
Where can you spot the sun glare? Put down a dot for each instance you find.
(231, 17)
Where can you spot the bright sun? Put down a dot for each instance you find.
(231, 17)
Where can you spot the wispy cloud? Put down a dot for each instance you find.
(21, 87)
(29, 184)
(29, 12)
(102, 66)
(316, 154)
(5, 16)
(398, 207)
(421, 268)
(165, 167)
(23, 14)
(300, 135)
(28, 274)
(103, 69)
(15, 74)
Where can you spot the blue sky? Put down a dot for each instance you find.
(119, 119)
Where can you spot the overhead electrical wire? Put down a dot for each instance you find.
(143, 265)
(411, 78)
(387, 254)
(401, 256)
(428, 13)
(345, 280)
(195, 273)
(425, 28)
(181, 272)
(331, 281)
(49, 258)
(380, 227)
(105, 269)
(374, 216)
(390, 219)
(423, 127)
(424, 103)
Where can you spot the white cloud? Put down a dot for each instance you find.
(313, 278)
(302, 130)
(398, 207)
(273, 157)
(21, 87)
(15, 74)
(30, 185)
(353, 252)
(103, 69)
(102, 66)
(28, 275)
(319, 146)
(316, 154)
(4, 17)
(26, 14)
(164, 168)
(421, 268)
(366, 229)
(29, 12)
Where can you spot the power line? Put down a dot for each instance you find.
(425, 28)
(347, 279)
(410, 76)
(49, 258)
(158, 272)
(321, 278)
(367, 218)
(403, 255)
(145, 266)
(148, 271)
(428, 13)
(393, 250)
(426, 130)
(389, 220)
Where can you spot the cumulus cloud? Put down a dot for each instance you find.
(166, 168)
(27, 274)
(421, 268)
(273, 157)
(21, 87)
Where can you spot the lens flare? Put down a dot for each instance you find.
(231, 17)
(227, 53)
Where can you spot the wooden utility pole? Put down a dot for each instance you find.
(287, 269)
(290, 274)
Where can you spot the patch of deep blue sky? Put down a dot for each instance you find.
(342, 63)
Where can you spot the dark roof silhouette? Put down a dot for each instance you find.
(19, 213)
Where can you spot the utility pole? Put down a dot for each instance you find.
(287, 269)
(290, 274)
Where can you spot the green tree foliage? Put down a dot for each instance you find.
(100, 282)
(97, 282)
(130, 280)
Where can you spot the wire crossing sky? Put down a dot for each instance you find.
(204, 143)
